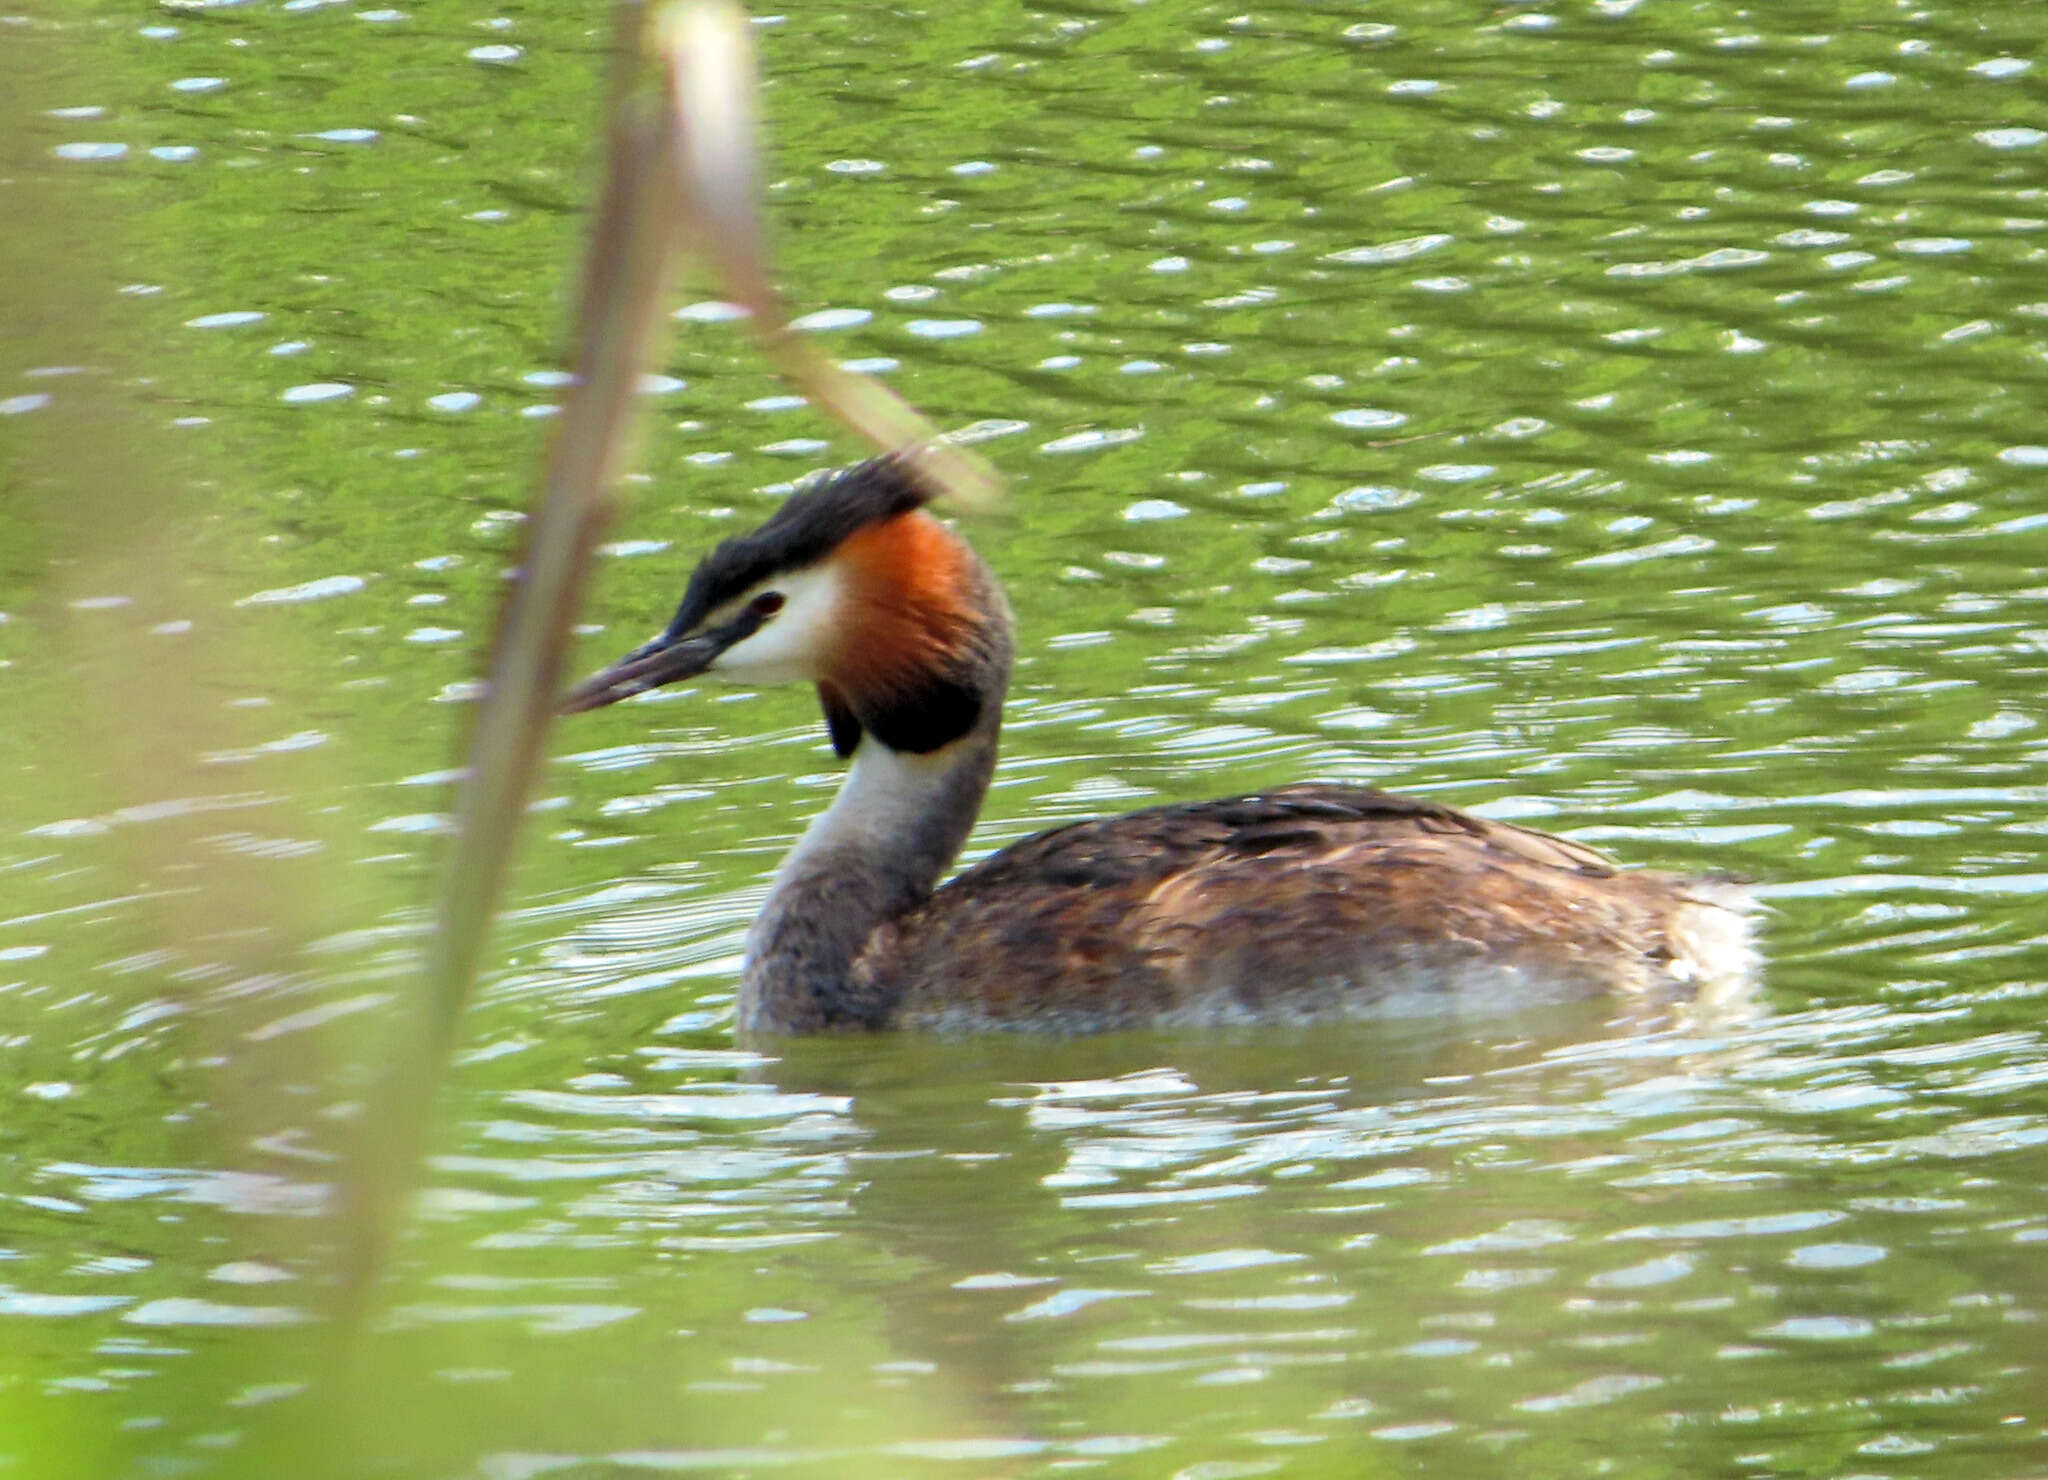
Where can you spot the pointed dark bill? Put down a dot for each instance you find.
(670, 658)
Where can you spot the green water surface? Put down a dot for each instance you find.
(1621, 416)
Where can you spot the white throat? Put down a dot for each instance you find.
(873, 855)
(883, 792)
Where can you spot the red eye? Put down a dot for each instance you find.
(767, 604)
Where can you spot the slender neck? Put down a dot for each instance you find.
(879, 849)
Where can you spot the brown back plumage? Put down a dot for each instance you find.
(1307, 902)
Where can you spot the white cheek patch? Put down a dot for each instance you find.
(793, 645)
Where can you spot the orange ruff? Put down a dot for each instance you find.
(909, 581)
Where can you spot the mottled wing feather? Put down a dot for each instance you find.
(1279, 902)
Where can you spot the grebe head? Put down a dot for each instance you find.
(850, 586)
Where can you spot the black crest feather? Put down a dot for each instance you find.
(811, 524)
(841, 723)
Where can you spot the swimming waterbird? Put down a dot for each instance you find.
(1304, 903)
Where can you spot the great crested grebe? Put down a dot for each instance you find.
(1305, 903)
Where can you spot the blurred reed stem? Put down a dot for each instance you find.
(681, 167)
(617, 335)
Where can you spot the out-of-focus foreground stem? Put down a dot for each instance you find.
(626, 269)
(681, 169)
(708, 56)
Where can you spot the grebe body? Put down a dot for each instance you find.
(1306, 903)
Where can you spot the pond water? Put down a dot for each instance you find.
(1615, 416)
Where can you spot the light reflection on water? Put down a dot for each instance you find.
(1465, 1244)
(1425, 1236)
(1614, 423)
